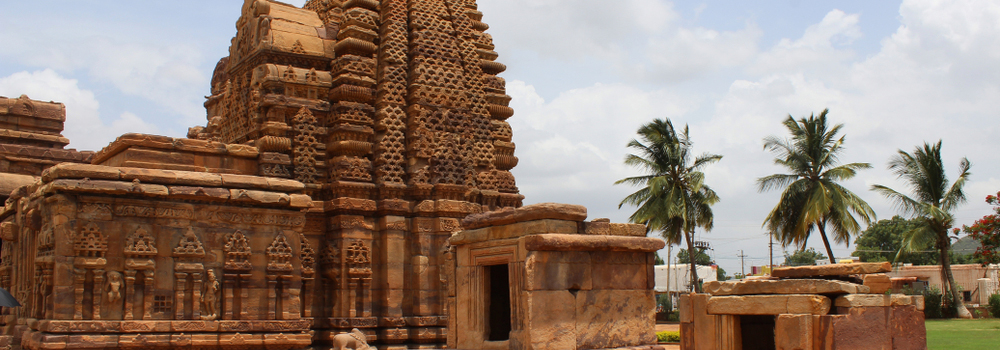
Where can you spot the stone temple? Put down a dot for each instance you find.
(345, 142)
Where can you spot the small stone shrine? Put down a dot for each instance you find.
(838, 306)
(539, 277)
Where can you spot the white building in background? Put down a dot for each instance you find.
(680, 277)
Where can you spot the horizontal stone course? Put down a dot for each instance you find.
(791, 286)
(769, 305)
(831, 270)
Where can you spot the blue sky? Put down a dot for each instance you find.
(584, 75)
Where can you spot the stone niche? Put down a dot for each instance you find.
(840, 306)
(103, 257)
(539, 277)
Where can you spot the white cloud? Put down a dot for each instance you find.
(822, 49)
(164, 73)
(84, 126)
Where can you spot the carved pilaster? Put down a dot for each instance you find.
(98, 293)
(129, 294)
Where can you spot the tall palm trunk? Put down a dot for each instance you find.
(826, 241)
(689, 237)
(946, 275)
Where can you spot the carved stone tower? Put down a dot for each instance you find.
(394, 117)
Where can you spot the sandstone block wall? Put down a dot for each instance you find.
(806, 308)
(104, 257)
(572, 284)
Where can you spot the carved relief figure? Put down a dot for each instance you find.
(355, 340)
(210, 299)
(114, 286)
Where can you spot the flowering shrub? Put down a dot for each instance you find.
(987, 231)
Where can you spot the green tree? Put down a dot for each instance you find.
(881, 242)
(812, 197)
(658, 260)
(720, 275)
(803, 257)
(932, 204)
(987, 231)
(700, 257)
(673, 198)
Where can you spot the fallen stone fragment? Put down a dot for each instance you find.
(878, 283)
(790, 286)
(831, 270)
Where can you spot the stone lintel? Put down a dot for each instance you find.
(769, 305)
(555, 211)
(575, 242)
(790, 286)
(831, 270)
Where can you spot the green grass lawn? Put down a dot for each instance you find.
(963, 334)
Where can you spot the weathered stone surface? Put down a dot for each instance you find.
(878, 283)
(80, 171)
(793, 286)
(551, 319)
(876, 300)
(614, 318)
(907, 327)
(793, 332)
(863, 328)
(831, 270)
(769, 305)
(572, 242)
(532, 212)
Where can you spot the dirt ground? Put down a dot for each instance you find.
(669, 327)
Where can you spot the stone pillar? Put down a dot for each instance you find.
(307, 296)
(180, 285)
(147, 295)
(227, 298)
(79, 277)
(393, 242)
(129, 294)
(196, 296)
(244, 298)
(352, 302)
(98, 292)
(272, 285)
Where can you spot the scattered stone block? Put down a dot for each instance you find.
(878, 283)
(831, 270)
(790, 286)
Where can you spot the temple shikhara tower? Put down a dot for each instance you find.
(344, 142)
(351, 186)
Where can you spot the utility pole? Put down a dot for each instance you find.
(770, 252)
(742, 266)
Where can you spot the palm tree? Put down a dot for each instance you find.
(673, 197)
(932, 204)
(812, 197)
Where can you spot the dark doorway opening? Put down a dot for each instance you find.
(757, 332)
(498, 317)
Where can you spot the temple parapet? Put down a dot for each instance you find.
(130, 257)
(31, 139)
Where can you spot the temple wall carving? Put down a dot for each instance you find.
(344, 142)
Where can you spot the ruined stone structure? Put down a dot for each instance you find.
(539, 277)
(839, 306)
(345, 140)
(31, 140)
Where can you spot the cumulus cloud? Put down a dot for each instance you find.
(84, 126)
(156, 68)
